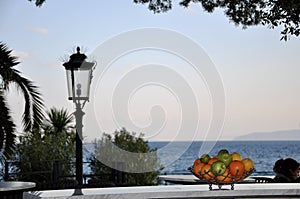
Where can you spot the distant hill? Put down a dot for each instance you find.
(275, 135)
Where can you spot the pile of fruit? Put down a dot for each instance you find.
(224, 168)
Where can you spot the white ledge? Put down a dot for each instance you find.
(15, 186)
(181, 191)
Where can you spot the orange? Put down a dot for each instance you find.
(206, 173)
(236, 156)
(197, 169)
(212, 160)
(197, 161)
(225, 178)
(236, 169)
(248, 163)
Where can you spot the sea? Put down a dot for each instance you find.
(177, 157)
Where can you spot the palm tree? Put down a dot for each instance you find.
(59, 121)
(33, 110)
(59, 131)
(54, 141)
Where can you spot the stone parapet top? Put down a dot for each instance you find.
(14, 186)
(267, 190)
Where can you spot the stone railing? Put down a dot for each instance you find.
(252, 190)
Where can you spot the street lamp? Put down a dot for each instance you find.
(79, 76)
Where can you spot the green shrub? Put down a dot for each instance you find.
(107, 155)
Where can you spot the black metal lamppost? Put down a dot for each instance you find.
(79, 76)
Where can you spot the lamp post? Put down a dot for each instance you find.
(79, 76)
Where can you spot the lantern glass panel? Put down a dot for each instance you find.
(81, 89)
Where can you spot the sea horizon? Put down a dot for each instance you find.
(263, 153)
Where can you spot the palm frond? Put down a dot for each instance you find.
(7, 61)
(33, 114)
(7, 130)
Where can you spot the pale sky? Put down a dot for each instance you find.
(259, 73)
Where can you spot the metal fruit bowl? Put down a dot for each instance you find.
(229, 179)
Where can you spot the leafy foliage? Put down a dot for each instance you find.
(271, 13)
(38, 3)
(33, 113)
(131, 143)
(54, 141)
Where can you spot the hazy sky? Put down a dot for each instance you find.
(259, 73)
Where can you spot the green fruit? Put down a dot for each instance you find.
(205, 158)
(226, 158)
(218, 168)
(223, 151)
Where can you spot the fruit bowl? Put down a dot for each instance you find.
(223, 168)
(225, 179)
